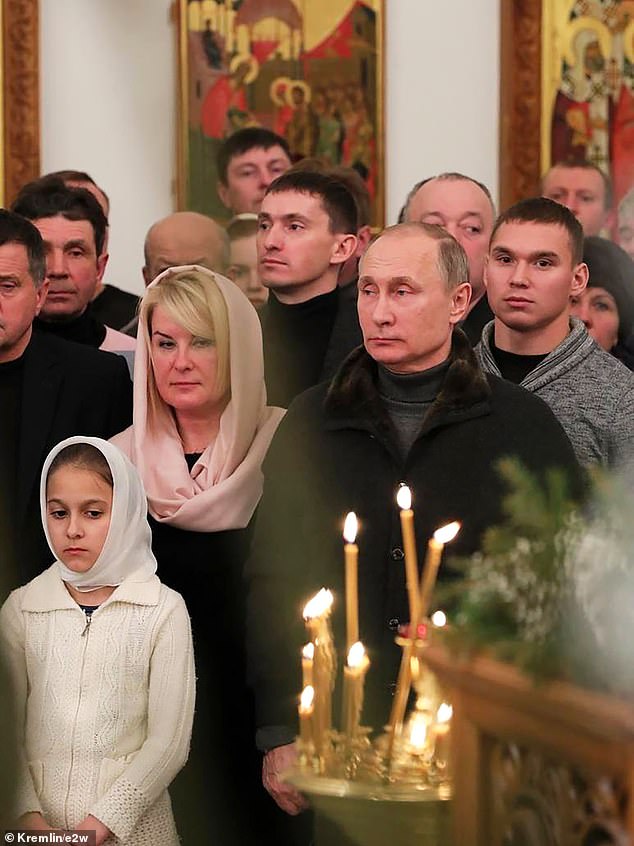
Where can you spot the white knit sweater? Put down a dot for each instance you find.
(108, 707)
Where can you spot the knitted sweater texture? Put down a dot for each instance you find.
(588, 390)
(108, 706)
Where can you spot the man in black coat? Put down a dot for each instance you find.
(306, 234)
(49, 389)
(412, 405)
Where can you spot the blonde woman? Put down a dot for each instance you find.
(201, 428)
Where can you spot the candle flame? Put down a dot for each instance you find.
(439, 619)
(306, 699)
(309, 651)
(356, 655)
(445, 713)
(350, 528)
(447, 533)
(404, 498)
(319, 605)
(418, 733)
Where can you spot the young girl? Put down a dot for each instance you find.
(101, 655)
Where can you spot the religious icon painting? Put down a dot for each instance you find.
(567, 90)
(310, 70)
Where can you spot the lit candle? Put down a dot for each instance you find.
(351, 552)
(418, 733)
(404, 501)
(306, 716)
(432, 563)
(308, 654)
(316, 615)
(353, 681)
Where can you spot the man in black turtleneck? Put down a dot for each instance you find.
(309, 325)
(410, 405)
(73, 227)
(49, 389)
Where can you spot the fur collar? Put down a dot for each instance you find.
(353, 394)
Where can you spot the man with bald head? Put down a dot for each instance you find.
(184, 237)
(464, 208)
(410, 405)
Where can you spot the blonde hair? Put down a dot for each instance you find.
(194, 301)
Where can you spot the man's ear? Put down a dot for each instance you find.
(364, 236)
(579, 279)
(485, 271)
(343, 249)
(102, 261)
(223, 193)
(460, 299)
(147, 278)
(40, 298)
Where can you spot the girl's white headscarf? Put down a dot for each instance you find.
(128, 545)
(225, 484)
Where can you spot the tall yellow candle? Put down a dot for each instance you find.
(432, 563)
(316, 615)
(308, 654)
(404, 500)
(351, 553)
(353, 680)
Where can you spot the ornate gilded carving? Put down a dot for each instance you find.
(541, 802)
(520, 99)
(21, 94)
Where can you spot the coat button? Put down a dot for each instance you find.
(393, 624)
(397, 554)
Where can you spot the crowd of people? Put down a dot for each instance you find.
(176, 467)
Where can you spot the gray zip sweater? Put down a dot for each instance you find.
(590, 392)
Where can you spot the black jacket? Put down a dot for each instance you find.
(336, 451)
(68, 389)
(300, 352)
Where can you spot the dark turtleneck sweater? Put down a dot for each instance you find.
(85, 329)
(513, 366)
(408, 397)
(295, 339)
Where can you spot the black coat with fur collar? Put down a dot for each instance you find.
(336, 451)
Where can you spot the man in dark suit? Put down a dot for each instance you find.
(307, 233)
(49, 389)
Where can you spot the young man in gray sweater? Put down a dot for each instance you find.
(533, 268)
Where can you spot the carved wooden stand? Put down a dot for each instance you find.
(536, 766)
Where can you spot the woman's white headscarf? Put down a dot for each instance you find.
(127, 548)
(225, 484)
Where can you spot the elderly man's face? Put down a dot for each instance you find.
(406, 313)
(464, 210)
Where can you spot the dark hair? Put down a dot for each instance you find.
(338, 202)
(69, 176)
(611, 268)
(584, 164)
(449, 176)
(50, 197)
(543, 210)
(85, 457)
(242, 141)
(350, 178)
(15, 229)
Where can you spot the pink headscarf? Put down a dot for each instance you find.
(225, 484)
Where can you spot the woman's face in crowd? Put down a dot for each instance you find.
(598, 310)
(243, 270)
(185, 367)
(78, 508)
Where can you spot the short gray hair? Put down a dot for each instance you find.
(453, 264)
(449, 176)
